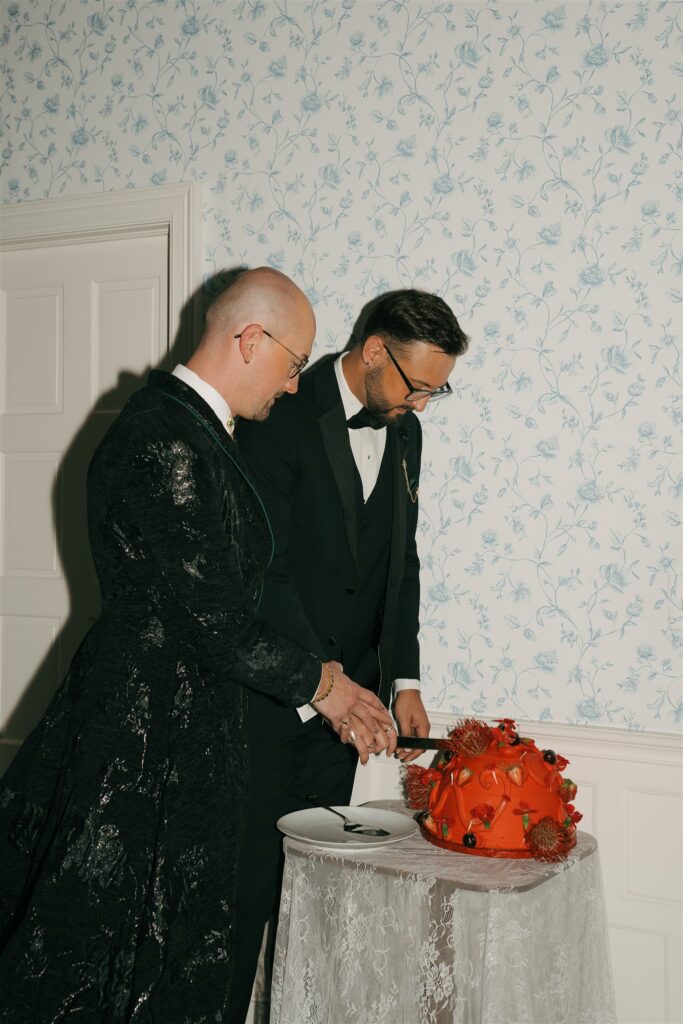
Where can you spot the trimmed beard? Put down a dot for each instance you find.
(375, 401)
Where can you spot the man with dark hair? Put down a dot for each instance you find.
(337, 467)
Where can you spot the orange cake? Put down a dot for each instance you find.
(495, 794)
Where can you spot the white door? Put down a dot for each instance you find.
(80, 326)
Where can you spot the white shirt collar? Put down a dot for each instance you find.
(206, 391)
(351, 404)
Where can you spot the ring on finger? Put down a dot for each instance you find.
(346, 721)
(388, 728)
(352, 736)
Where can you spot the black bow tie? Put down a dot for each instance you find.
(364, 419)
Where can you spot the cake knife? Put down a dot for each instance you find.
(423, 743)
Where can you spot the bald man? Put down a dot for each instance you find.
(121, 815)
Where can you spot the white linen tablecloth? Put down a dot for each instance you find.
(413, 934)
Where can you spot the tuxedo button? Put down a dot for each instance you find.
(350, 590)
(332, 641)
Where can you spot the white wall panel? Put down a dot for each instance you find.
(30, 545)
(653, 825)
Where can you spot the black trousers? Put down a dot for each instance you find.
(300, 769)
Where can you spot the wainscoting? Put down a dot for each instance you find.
(630, 795)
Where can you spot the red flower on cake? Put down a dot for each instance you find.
(484, 812)
(547, 840)
(470, 737)
(525, 810)
(573, 816)
(560, 762)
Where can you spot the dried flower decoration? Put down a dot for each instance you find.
(419, 783)
(547, 840)
(470, 737)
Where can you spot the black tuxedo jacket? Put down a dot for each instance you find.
(304, 469)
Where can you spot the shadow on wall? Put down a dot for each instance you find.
(69, 511)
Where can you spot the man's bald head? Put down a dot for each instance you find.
(258, 334)
(264, 296)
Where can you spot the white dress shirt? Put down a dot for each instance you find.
(367, 444)
(208, 393)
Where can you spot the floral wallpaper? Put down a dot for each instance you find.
(521, 159)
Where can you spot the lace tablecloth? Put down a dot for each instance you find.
(413, 934)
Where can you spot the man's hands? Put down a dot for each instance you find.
(412, 720)
(357, 715)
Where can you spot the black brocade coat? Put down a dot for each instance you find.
(121, 815)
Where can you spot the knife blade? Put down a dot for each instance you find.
(422, 743)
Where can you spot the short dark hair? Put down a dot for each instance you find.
(412, 315)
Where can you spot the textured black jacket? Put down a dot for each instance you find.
(121, 815)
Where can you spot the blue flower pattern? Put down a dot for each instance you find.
(521, 159)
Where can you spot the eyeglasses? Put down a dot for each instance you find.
(300, 362)
(419, 394)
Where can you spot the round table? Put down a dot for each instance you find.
(412, 934)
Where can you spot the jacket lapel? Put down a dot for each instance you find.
(335, 435)
(178, 391)
(397, 448)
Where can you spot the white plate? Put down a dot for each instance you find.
(322, 828)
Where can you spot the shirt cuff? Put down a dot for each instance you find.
(405, 684)
(306, 712)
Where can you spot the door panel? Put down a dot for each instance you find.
(80, 326)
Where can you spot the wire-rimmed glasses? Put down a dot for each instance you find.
(300, 362)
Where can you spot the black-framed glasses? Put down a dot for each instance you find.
(300, 362)
(418, 394)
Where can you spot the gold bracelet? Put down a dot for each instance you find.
(328, 691)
